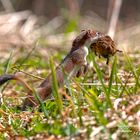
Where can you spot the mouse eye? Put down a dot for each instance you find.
(97, 33)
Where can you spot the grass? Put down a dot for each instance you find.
(101, 107)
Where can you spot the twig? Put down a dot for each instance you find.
(99, 84)
(25, 84)
(7, 5)
(114, 18)
(14, 17)
(28, 26)
(31, 75)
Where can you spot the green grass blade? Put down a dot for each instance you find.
(7, 65)
(133, 70)
(100, 76)
(27, 56)
(41, 104)
(112, 76)
(94, 102)
(131, 66)
(56, 95)
(6, 69)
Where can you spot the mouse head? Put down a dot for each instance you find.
(85, 38)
